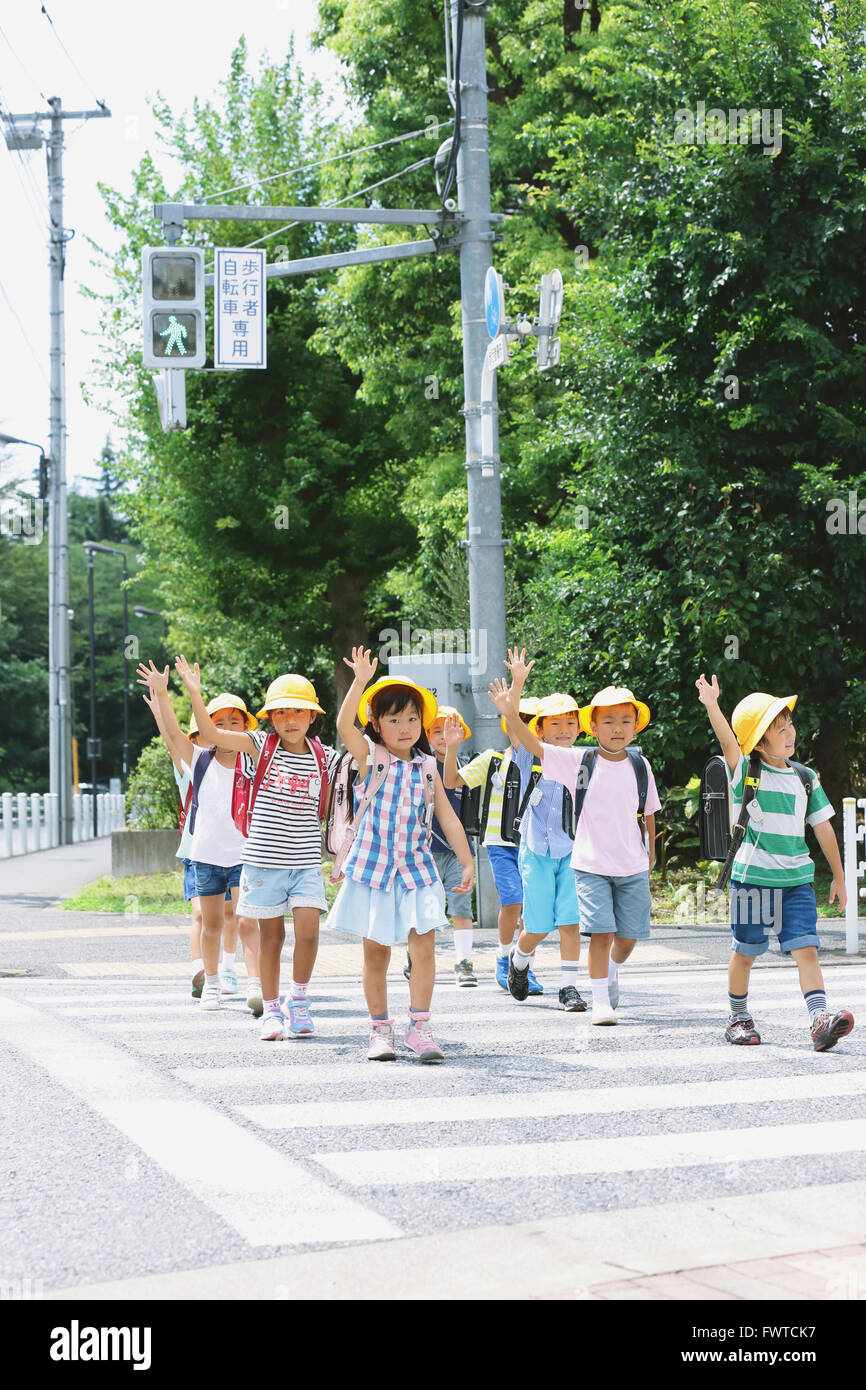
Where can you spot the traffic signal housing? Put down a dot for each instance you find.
(173, 317)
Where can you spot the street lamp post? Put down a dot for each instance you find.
(94, 745)
(141, 612)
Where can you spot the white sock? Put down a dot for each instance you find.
(521, 960)
(600, 993)
(612, 969)
(463, 944)
(299, 991)
(212, 980)
(569, 973)
(503, 950)
(254, 986)
(197, 965)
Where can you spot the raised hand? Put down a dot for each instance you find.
(190, 678)
(707, 694)
(152, 702)
(500, 693)
(361, 664)
(453, 731)
(517, 665)
(152, 677)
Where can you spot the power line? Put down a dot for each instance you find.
(88, 85)
(22, 64)
(329, 159)
(15, 314)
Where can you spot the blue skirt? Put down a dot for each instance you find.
(387, 915)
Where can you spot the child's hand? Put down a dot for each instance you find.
(152, 702)
(452, 730)
(707, 694)
(361, 664)
(517, 665)
(838, 890)
(190, 678)
(500, 694)
(151, 676)
(466, 882)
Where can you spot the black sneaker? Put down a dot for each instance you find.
(570, 1000)
(407, 968)
(465, 974)
(741, 1030)
(518, 980)
(829, 1028)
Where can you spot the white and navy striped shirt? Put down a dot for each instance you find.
(286, 832)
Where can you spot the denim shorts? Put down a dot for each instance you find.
(274, 892)
(189, 888)
(549, 894)
(614, 903)
(506, 874)
(791, 913)
(212, 880)
(450, 870)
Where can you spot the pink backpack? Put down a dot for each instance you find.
(341, 822)
(244, 792)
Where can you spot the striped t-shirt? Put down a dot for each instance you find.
(474, 774)
(286, 832)
(774, 851)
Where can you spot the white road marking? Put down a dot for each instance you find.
(306, 1073)
(723, 1054)
(266, 1198)
(514, 1105)
(624, 1154)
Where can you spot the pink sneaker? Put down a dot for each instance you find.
(381, 1047)
(419, 1039)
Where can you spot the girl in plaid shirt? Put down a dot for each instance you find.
(392, 892)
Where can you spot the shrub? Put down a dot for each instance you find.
(152, 798)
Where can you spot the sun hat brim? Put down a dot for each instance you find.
(429, 703)
(765, 720)
(613, 695)
(288, 702)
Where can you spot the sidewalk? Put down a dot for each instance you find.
(42, 878)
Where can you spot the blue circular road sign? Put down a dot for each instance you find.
(494, 303)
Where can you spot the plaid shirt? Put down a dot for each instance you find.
(392, 838)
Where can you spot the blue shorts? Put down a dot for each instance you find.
(790, 912)
(549, 894)
(614, 903)
(213, 880)
(274, 892)
(506, 874)
(189, 891)
(450, 870)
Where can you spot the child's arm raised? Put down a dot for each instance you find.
(826, 837)
(362, 668)
(518, 732)
(175, 740)
(453, 736)
(221, 738)
(454, 834)
(152, 701)
(709, 696)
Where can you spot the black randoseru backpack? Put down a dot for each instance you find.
(720, 840)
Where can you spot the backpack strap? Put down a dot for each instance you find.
(488, 787)
(584, 773)
(639, 767)
(750, 791)
(202, 763)
(805, 777)
(184, 808)
(378, 771)
(568, 822)
(266, 757)
(534, 779)
(315, 746)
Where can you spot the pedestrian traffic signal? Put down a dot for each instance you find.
(173, 306)
(549, 314)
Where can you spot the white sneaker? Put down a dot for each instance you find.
(603, 1013)
(273, 1027)
(210, 996)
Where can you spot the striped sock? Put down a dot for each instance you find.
(299, 991)
(272, 1006)
(521, 959)
(569, 973)
(816, 1003)
(739, 1005)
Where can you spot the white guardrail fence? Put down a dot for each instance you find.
(31, 822)
(854, 811)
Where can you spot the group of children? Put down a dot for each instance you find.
(569, 833)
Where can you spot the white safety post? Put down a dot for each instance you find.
(36, 818)
(849, 826)
(8, 841)
(52, 819)
(21, 802)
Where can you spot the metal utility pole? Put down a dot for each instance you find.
(484, 543)
(22, 132)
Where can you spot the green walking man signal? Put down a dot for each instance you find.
(173, 308)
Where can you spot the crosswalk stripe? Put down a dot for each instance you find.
(267, 1198)
(722, 1054)
(624, 1154)
(303, 1072)
(516, 1105)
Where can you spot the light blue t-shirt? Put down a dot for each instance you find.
(184, 782)
(541, 828)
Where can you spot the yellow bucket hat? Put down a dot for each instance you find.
(193, 727)
(445, 710)
(527, 706)
(429, 704)
(226, 701)
(291, 692)
(553, 704)
(614, 695)
(753, 716)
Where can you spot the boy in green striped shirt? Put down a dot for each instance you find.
(771, 879)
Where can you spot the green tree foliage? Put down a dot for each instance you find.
(152, 798)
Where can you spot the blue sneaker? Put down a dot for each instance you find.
(297, 1012)
(534, 986)
(502, 971)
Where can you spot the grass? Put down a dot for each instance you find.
(687, 895)
(147, 894)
